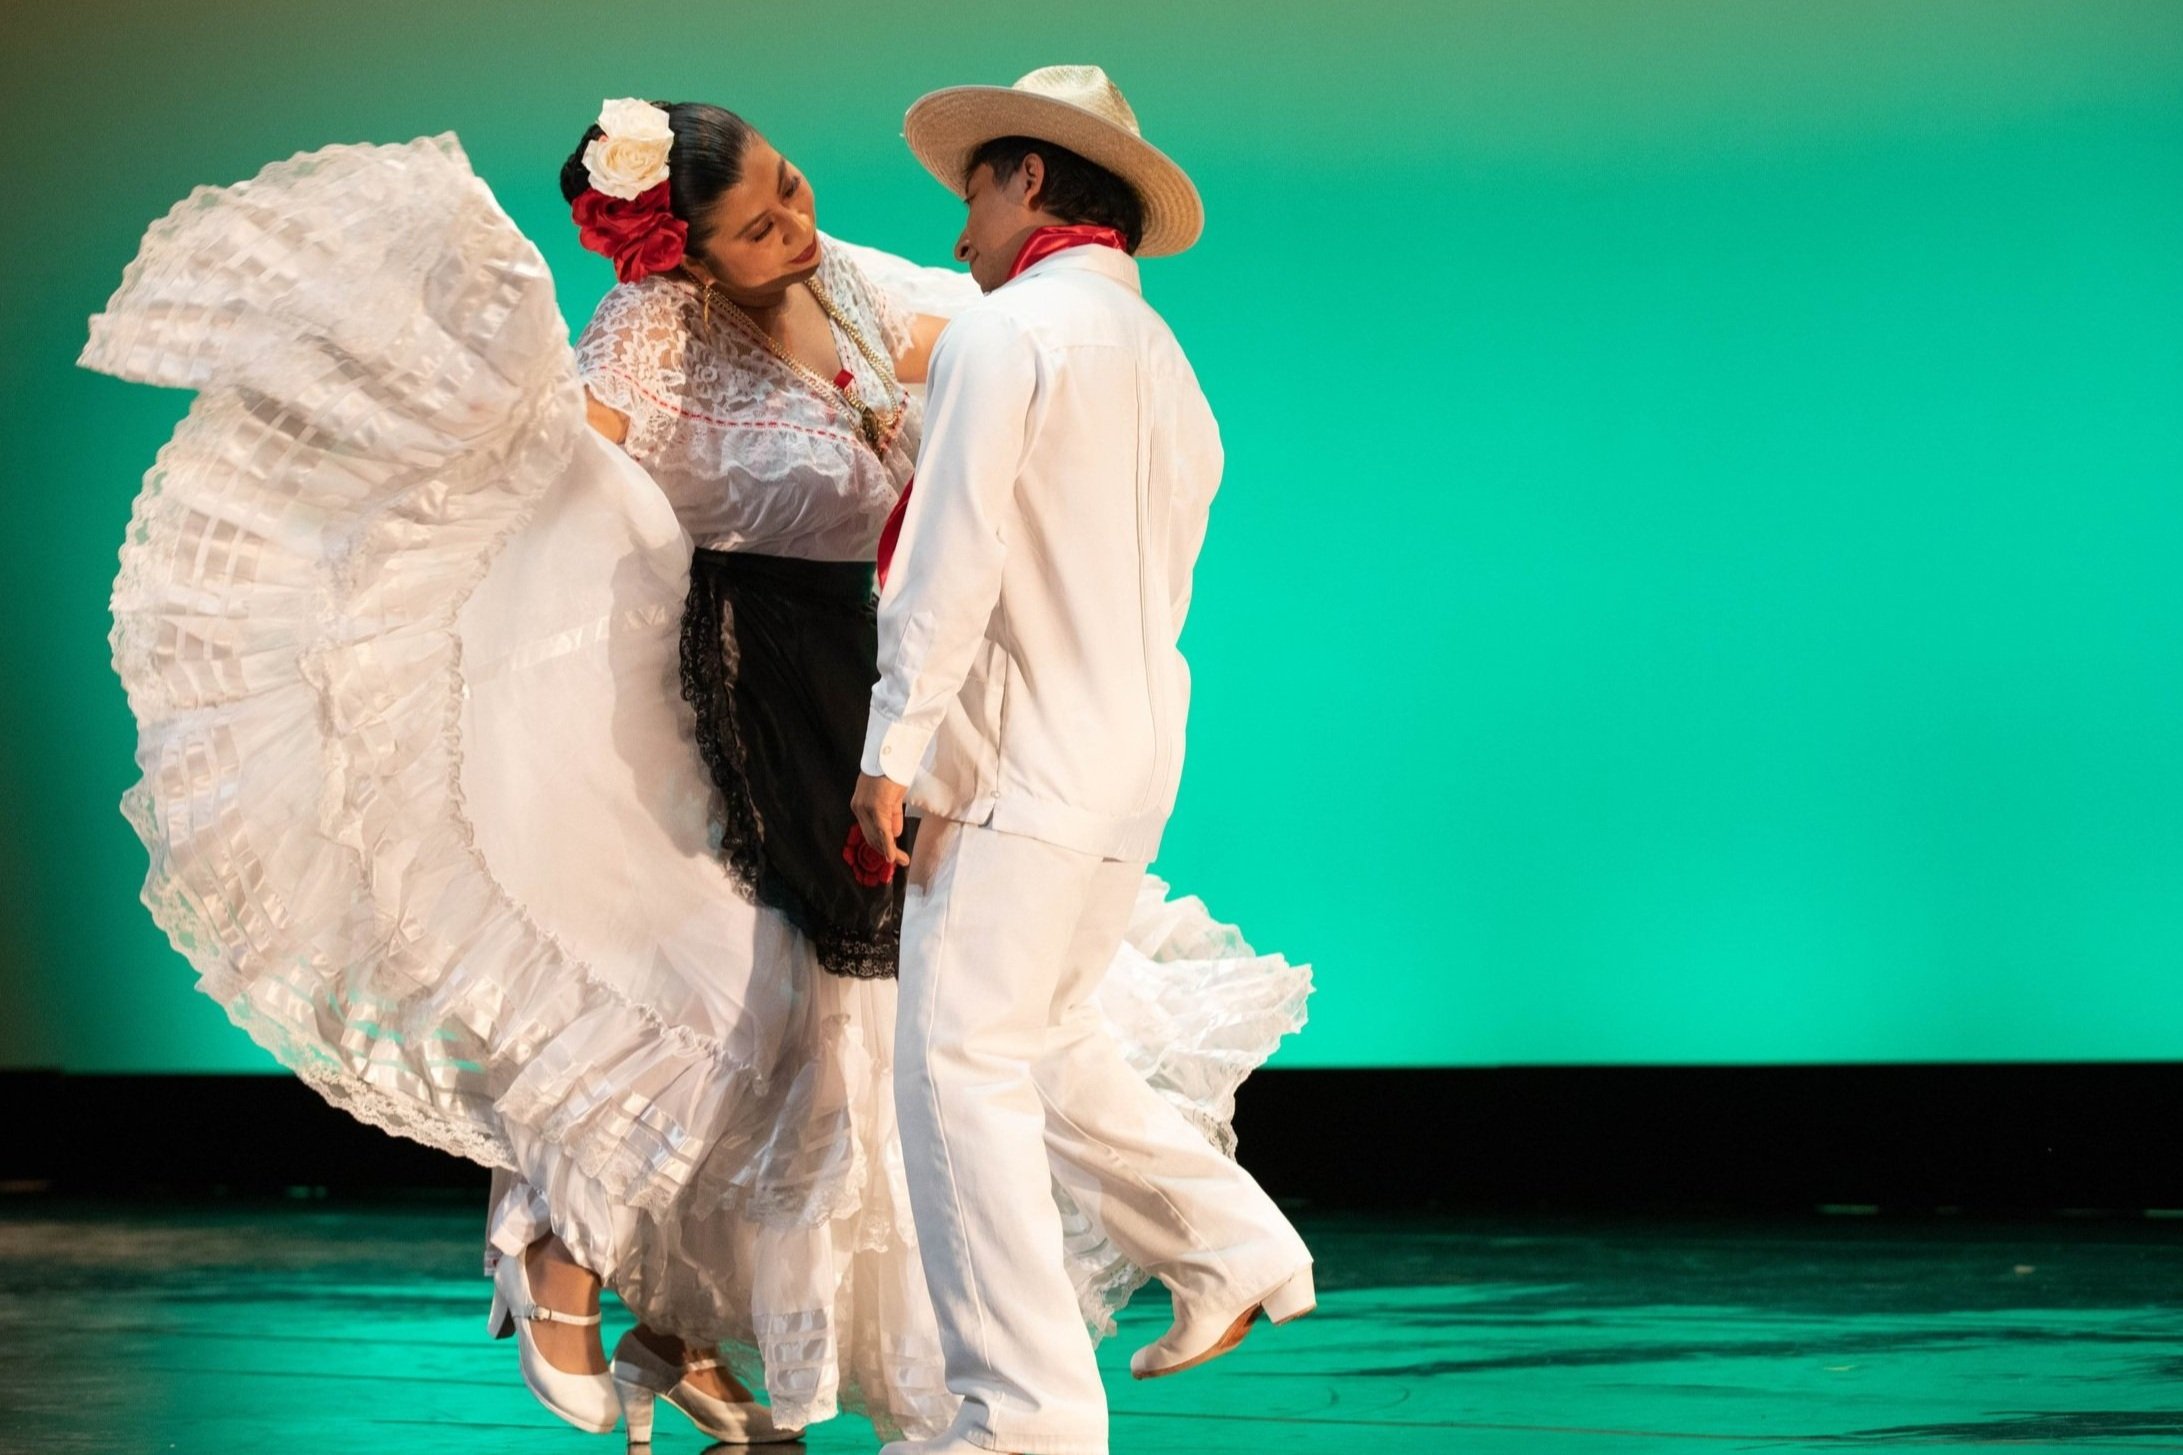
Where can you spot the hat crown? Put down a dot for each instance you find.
(1088, 88)
(1077, 107)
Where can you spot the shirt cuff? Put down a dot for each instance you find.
(894, 750)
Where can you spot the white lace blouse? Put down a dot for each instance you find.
(753, 456)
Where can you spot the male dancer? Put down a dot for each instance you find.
(1030, 707)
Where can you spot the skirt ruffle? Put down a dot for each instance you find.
(425, 812)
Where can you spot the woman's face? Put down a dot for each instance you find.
(765, 229)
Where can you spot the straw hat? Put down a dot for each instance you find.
(1076, 107)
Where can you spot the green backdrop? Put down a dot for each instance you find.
(1697, 579)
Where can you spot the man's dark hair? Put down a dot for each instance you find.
(1075, 190)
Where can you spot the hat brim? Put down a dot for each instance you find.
(946, 127)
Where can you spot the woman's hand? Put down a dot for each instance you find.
(610, 422)
(915, 362)
(877, 804)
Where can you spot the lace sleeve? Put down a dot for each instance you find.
(902, 289)
(632, 356)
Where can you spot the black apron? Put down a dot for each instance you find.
(778, 659)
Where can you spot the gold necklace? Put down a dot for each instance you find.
(876, 426)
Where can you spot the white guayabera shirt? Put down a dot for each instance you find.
(1030, 678)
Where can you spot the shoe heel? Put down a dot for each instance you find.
(1292, 1300)
(636, 1402)
(499, 1320)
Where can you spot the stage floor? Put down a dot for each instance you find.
(307, 1327)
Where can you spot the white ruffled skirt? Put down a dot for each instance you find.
(425, 813)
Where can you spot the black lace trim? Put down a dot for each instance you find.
(707, 678)
(710, 666)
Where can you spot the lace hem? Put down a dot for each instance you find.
(710, 660)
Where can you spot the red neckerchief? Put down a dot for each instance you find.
(1042, 244)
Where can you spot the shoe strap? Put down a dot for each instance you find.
(696, 1365)
(538, 1313)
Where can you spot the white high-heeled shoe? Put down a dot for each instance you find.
(1205, 1332)
(584, 1400)
(947, 1444)
(641, 1376)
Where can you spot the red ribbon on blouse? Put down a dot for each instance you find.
(1042, 244)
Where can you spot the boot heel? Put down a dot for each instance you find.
(499, 1320)
(1292, 1300)
(636, 1401)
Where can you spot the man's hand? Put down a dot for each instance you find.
(877, 804)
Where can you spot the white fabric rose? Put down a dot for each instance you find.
(631, 158)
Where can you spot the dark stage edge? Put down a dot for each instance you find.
(1915, 1139)
(237, 1328)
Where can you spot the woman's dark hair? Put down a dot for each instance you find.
(705, 161)
(1075, 190)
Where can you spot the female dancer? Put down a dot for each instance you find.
(498, 707)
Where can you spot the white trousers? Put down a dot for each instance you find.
(1006, 1080)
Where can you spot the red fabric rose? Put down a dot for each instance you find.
(871, 867)
(641, 234)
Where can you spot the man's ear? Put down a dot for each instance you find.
(1032, 174)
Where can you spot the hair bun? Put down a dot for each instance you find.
(574, 178)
